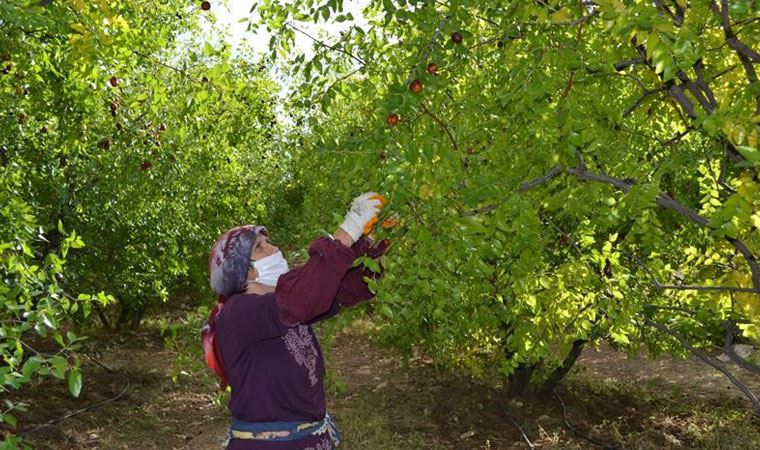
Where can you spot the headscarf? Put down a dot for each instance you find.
(228, 275)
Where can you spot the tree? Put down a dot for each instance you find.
(134, 145)
(563, 164)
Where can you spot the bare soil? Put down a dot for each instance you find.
(382, 403)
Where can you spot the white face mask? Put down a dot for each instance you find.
(270, 269)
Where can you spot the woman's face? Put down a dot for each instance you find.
(262, 248)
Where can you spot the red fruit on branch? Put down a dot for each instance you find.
(415, 86)
(119, 126)
(205, 5)
(114, 81)
(431, 68)
(44, 130)
(146, 165)
(114, 106)
(21, 118)
(104, 144)
(456, 37)
(392, 120)
(59, 277)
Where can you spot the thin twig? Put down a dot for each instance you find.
(87, 408)
(574, 430)
(333, 47)
(670, 308)
(443, 125)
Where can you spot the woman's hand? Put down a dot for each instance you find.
(362, 215)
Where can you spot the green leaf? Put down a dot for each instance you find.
(60, 365)
(31, 366)
(75, 381)
(750, 153)
(10, 420)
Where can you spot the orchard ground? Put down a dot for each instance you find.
(382, 402)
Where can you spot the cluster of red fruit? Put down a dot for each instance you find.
(105, 143)
(416, 85)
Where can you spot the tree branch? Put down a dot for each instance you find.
(647, 93)
(747, 55)
(698, 69)
(695, 90)
(553, 172)
(728, 349)
(709, 360)
(622, 65)
(739, 47)
(664, 200)
(335, 47)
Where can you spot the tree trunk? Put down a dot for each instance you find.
(519, 382)
(547, 387)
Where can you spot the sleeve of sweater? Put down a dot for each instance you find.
(353, 287)
(307, 292)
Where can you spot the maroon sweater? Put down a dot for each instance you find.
(271, 357)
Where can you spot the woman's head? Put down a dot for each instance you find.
(228, 261)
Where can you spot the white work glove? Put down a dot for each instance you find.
(363, 214)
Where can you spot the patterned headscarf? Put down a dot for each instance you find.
(228, 260)
(228, 275)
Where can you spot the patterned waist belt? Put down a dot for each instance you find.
(283, 431)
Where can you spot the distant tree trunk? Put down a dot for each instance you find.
(137, 316)
(103, 318)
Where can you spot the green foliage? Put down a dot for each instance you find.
(484, 275)
(127, 145)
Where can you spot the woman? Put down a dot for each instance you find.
(258, 338)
